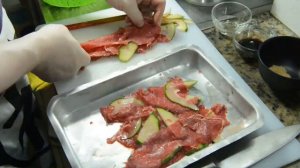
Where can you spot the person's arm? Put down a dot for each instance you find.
(136, 10)
(16, 59)
(51, 53)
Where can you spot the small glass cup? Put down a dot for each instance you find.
(248, 38)
(226, 16)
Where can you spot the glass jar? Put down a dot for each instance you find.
(247, 39)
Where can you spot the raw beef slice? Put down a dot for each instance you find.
(109, 45)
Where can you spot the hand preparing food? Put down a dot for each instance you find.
(163, 124)
(129, 40)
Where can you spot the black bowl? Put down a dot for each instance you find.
(283, 51)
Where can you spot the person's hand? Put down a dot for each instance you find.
(60, 55)
(136, 10)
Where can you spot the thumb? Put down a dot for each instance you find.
(135, 14)
(85, 59)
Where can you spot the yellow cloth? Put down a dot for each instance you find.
(36, 83)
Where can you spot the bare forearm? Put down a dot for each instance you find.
(17, 58)
(52, 53)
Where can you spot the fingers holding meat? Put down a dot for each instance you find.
(139, 9)
(156, 7)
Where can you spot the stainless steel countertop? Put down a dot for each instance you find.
(201, 15)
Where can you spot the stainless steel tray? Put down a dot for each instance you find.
(83, 132)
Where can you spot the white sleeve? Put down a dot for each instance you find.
(7, 31)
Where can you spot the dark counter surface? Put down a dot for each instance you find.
(287, 109)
